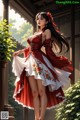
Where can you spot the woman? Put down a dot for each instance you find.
(41, 75)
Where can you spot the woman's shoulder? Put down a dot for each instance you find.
(47, 33)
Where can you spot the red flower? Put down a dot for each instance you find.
(49, 16)
(47, 75)
(33, 65)
(38, 69)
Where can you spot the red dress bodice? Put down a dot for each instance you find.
(35, 42)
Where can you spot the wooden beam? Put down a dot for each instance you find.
(60, 13)
(42, 1)
(38, 2)
(48, 8)
(27, 5)
(25, 13)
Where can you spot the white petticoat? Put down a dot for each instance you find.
(35, 67)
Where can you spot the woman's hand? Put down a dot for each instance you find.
(18, 52)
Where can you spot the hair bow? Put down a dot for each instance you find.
(49, 15)
(54, 24)
(51, 18)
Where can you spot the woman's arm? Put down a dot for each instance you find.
(57, 61)
(18, 52)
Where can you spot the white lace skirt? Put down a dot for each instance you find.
(34, 67)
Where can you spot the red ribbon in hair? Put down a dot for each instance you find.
(49, 16)
(51, 19)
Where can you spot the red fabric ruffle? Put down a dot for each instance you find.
(23, 94)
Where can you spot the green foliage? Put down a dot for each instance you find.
(70, 110)
(22, 33)
(6, 41)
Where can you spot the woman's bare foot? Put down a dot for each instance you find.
(37, 119)
(40, 118)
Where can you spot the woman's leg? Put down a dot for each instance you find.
(34, 88)
(43, 98)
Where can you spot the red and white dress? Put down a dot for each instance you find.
(47, 67)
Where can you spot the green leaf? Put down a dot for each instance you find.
(7, 44)
(68, 111)
(71, 107)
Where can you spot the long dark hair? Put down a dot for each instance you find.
(58, 38)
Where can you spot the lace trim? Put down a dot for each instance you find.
(48, 108)
(18, 91)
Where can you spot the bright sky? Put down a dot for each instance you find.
(13, 15)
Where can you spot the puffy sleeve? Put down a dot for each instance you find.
(57, 61)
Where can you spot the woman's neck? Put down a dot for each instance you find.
(43, 28)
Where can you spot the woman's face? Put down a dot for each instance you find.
(41, 21)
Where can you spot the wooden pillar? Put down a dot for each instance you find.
(34, 26)
(5, 87)
(6, 9)
(72, 52)
(25, 113)
(2, 74)
(4, 106)
(3, 83)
